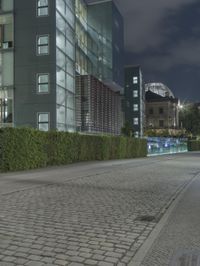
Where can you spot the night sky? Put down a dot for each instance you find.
(163, 37)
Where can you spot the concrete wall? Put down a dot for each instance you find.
(27, 102)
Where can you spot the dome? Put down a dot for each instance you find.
(160, 89)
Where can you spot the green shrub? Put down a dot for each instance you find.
(193, 145)
(25, 148)
(22, 149)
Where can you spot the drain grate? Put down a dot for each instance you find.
(146, 218)
(186, 258)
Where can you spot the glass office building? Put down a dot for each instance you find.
(44, 44)
(6, 63)
(65, 63)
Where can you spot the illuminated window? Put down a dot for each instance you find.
(43, 45)
(135, 93)
(136, 134)
(43, 83)
(135, 107)
(42, 8)
(135, 80)
(135, 121)
(43, 121)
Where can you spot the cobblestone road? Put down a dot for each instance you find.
(86, 214)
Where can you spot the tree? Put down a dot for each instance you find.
(189, 118)
(127, 130)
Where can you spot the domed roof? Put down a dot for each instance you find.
(160, 89)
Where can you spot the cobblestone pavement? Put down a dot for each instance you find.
(86, 214)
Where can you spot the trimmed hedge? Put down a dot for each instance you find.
(25, 148)
(193, 145)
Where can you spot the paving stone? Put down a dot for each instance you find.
(76, 264)
(4, 263)
(113, 254)
(61, 262)
(35, 257)
(111, 259)
(34, 263)
(62, 257)
(103, 263)
(8, 259)
(98, 257)
(72, 253)
(48, 260)
(20, 261)
(91, 262)
(21, 255)
(76, 259)
(85, 255)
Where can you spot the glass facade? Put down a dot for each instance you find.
(82, 60)
(65, 65)
(105, 42)
(6, 63)
(100, 40)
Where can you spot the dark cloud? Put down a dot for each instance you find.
(144, 27)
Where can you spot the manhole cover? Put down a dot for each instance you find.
(146, 218)
(186, 258)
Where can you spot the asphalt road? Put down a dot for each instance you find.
(98, 213)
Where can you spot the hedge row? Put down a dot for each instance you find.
(25, 148)
(193, 145)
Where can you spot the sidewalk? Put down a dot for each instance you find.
(178, 243)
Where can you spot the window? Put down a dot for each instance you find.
(135, 93)
(161, 123)
(43, 121)
(42, 8)
(135, 80)
(137, 134)
(6, 5)
(161, 111)
(135, 120)
(151, 111)
(43, 83)
(43, 45)
(6, 32)
(135, 107)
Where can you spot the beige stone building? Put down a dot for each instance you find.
(161, 111)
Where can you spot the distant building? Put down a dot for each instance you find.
(161, 111)
(159, 88)
(134, 99)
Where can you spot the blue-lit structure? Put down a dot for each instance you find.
(159, 145)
